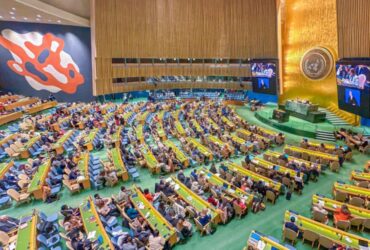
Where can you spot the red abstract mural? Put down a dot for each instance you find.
(42, 61)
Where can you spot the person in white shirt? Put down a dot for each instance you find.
(156, 242)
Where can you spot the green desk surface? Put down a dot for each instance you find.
(92, 223)
(82, 164)
(227, 187)
(29, 143)
(352, 190)
(179, 154)
(191, 198)
(62, 139)
(4, 167)
(153, 217)
(26, 236)
(37, 179)
(117, 160)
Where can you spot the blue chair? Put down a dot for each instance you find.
(5, 201)
(52, 218)
(48, 243)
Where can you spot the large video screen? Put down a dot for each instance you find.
(353, 75)
(354, 87)
(264, 77)
(261, 69)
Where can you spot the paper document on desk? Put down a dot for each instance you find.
(91, 235)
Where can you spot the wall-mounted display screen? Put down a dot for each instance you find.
(353, 75)
(264, 77)
(353, 81)
(263, 70)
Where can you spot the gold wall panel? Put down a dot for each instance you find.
(308, 24)
(353, 28)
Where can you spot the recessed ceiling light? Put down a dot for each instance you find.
(38, 19)
(49, 20)
(59, 21)
(25, 18)
(13, 8)
(1, 17)
(39, 16)
(13, 17)
(11, 13)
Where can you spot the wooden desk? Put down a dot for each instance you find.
(24, 153)
(41, 107)
(27, 234)
(254, 176)
(255, 239)
(118, 163)
(20, 103)
(194, 200)
(150, 160)
(360, 176)
(154, 219)
(332, 205)
(58, 146)
(83, 167)
(179, 154)
(317, 154)
(271, 166)
(228, 188)
(10, 117)
(4, 168)
(336, 235)
(352, 191)
(273, 156)
(202, 149)
(38, 180)
(92, 223)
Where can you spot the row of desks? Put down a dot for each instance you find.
(317, 154)
(336, 235)
(58, 146)
(352, 191)
(4, 168)
(83, 167)
(10, 117)
(271, 166)
(150, 160)
(202, 149)
(273, 156)
(20, 103)
(38, 180)
(194, 200)
(331, 205)
(93, 225)
(246, 135)
(41, 107)
(228, 188)
(260, 241)
(179, 154)
(254, 176)
(118, 163)
(155, 220)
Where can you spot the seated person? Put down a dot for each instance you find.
(131, 212)
(291, 225)
(148, 195)
(342, 214)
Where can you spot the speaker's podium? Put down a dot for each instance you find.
(280, 115)
(304, 110)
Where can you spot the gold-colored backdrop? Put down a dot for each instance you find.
(179, 29)
(308, 23)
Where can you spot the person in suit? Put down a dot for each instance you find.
(352, 100)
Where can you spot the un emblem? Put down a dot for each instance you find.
(317, 63)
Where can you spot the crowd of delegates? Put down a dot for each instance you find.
(343, 152)
(353, 140)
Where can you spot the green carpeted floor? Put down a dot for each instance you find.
(234, 234)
